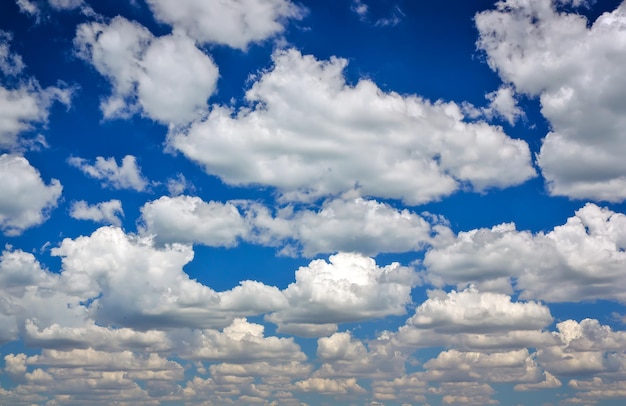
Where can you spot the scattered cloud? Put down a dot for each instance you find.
(26, 200)
(104, 212)
(583, 256)
(126, 176)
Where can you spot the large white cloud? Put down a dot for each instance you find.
(575, 68)
(343, 224)
(25, 200)
(166, 78)
(350, 287)
(233, 23)
(189, 219)
(583, 257)
(309, 134)
(128, 282)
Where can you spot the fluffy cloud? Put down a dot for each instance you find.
(103, 212)
(343, 224)
(350, 225)
(310, 134)
(344, 356)
(457, 366)
(126, 176)
(350, 287)
(584, 256)
(241, 342)
(476, 321)
(128, 282)
(188, 219)
(235, 24)
(575, 68)
(166, 78)
(330, 386)
(25, 200)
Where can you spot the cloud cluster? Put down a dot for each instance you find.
(343, 224)
(310, 134)
(575, 68)
(166, 78)
(584, 257)
(104, 212)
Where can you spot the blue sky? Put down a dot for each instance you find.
(369, 202)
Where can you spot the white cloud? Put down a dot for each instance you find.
(345, 356)
(25, 103)
(474, 311)
(25, 200)
(309, 134)
(188, 219)
(584, 257)
(575, 69)
(330, 386)
(29, 7)
(104, 212)
(240, 342)
(502, 104)
(350, 287)
(126, 176)
(550, 382)
(359, 8)
(236, 24)
(127, 282)
(10, 63)
(166, 78)
(350, 225)
(475, 321)
(498, 367)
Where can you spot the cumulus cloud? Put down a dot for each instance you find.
(240, 342)
(236, 24)
(475, 321)
(104, 212)
(188, 219)
(125, 176)
(350, 287)
(165, 78)
(25, 200)
(128, 282)
(306, 132)
(330, 386)
(575, 68)
(583, 257)
(349, 225)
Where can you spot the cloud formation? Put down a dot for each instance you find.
(310, 134)
(26, 200)
(165, 78)
(574, 67)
